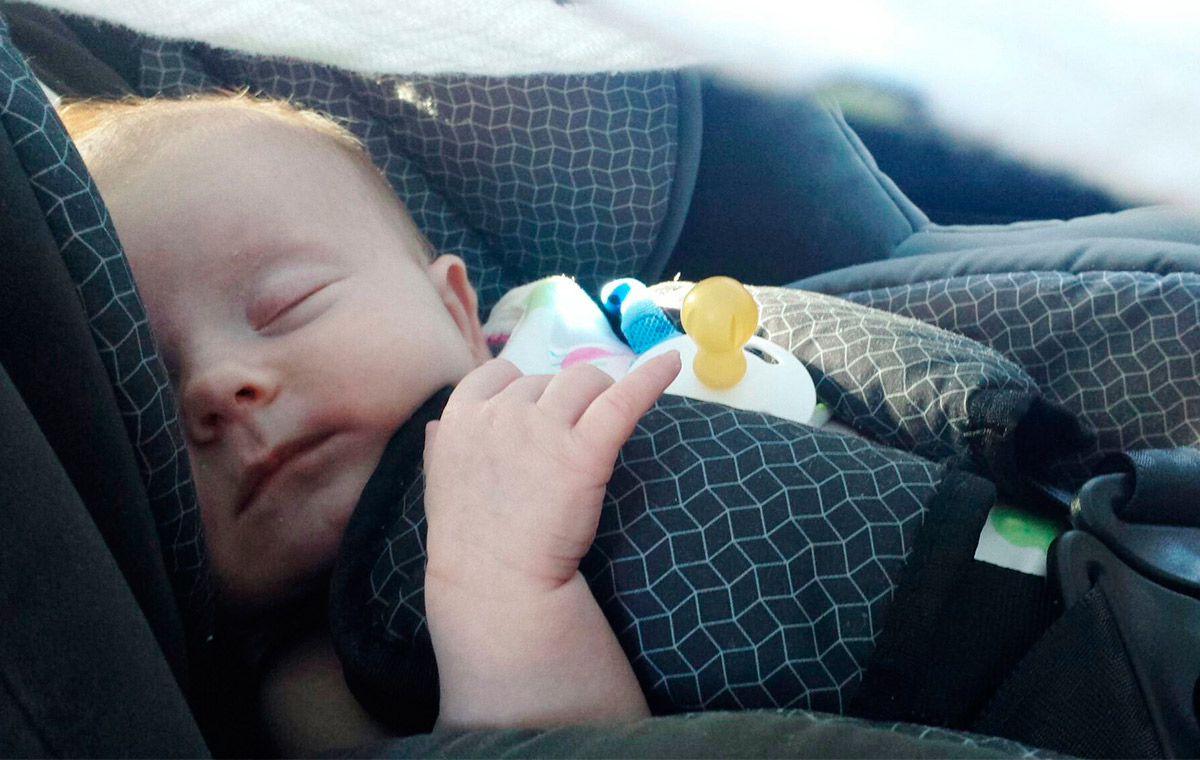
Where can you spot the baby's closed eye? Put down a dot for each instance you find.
(286, 303)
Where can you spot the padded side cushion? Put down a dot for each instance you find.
(523, 177)
(913, 386)
(1109, 329)
(80, 228)
(743, 561)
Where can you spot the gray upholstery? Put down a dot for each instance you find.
(1156, 223)
(523, 177)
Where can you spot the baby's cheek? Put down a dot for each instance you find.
(208, 492)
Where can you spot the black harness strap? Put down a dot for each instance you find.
(957, 626)
(1114, 676)
(1076, 691)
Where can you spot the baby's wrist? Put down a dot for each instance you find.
(479, 584)
(465, 567)
(500, 628)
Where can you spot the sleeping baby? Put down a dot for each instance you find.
(303, 320)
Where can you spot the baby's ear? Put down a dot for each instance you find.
(449, 276)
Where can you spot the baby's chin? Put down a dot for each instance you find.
(284, 545)
(250, 592)
(287, 554)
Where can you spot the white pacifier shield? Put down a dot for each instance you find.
(784, 389)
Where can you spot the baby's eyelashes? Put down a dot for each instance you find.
(278, 290)
(279, 311)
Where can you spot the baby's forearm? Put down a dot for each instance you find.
(535, 660)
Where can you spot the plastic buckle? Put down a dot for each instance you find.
(1167, 554)
(1150, 577)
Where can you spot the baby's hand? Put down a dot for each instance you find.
(516, 471)
(514, 478)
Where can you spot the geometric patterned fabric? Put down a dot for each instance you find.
(81, 226)
(742, 561)
(749, 563)
(1120, 350)
(522, 177)
(902, 382)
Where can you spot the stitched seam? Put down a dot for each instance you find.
(849, 293)
(991, 229)
(858, 148)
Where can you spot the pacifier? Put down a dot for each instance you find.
(724, 362)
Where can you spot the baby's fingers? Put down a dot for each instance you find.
(485, 381)
(528, 388)
(573, 390)
(610, 419)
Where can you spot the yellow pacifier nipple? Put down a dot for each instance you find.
(720, 315)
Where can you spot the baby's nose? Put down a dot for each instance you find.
(225, 394)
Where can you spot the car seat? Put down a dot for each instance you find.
(108, 614)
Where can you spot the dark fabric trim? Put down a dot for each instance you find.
(1015, 436)
(1076, 691)
(1072, 256)
(44, 335)
(81, 671)
(397, 684)
(689, 132)
(117, 47)
(58, 57)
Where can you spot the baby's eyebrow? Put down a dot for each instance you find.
(251, 263)
(287, 272)
(272, 251)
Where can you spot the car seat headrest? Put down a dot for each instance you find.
(523, 177)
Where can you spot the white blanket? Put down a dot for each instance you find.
(499, 37)
(1104, 89)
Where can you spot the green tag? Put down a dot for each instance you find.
(1018, 539)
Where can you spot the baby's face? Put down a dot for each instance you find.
(299, 329)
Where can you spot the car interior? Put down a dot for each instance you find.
(1064, 372)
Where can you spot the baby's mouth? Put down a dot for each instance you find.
(262, 472)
